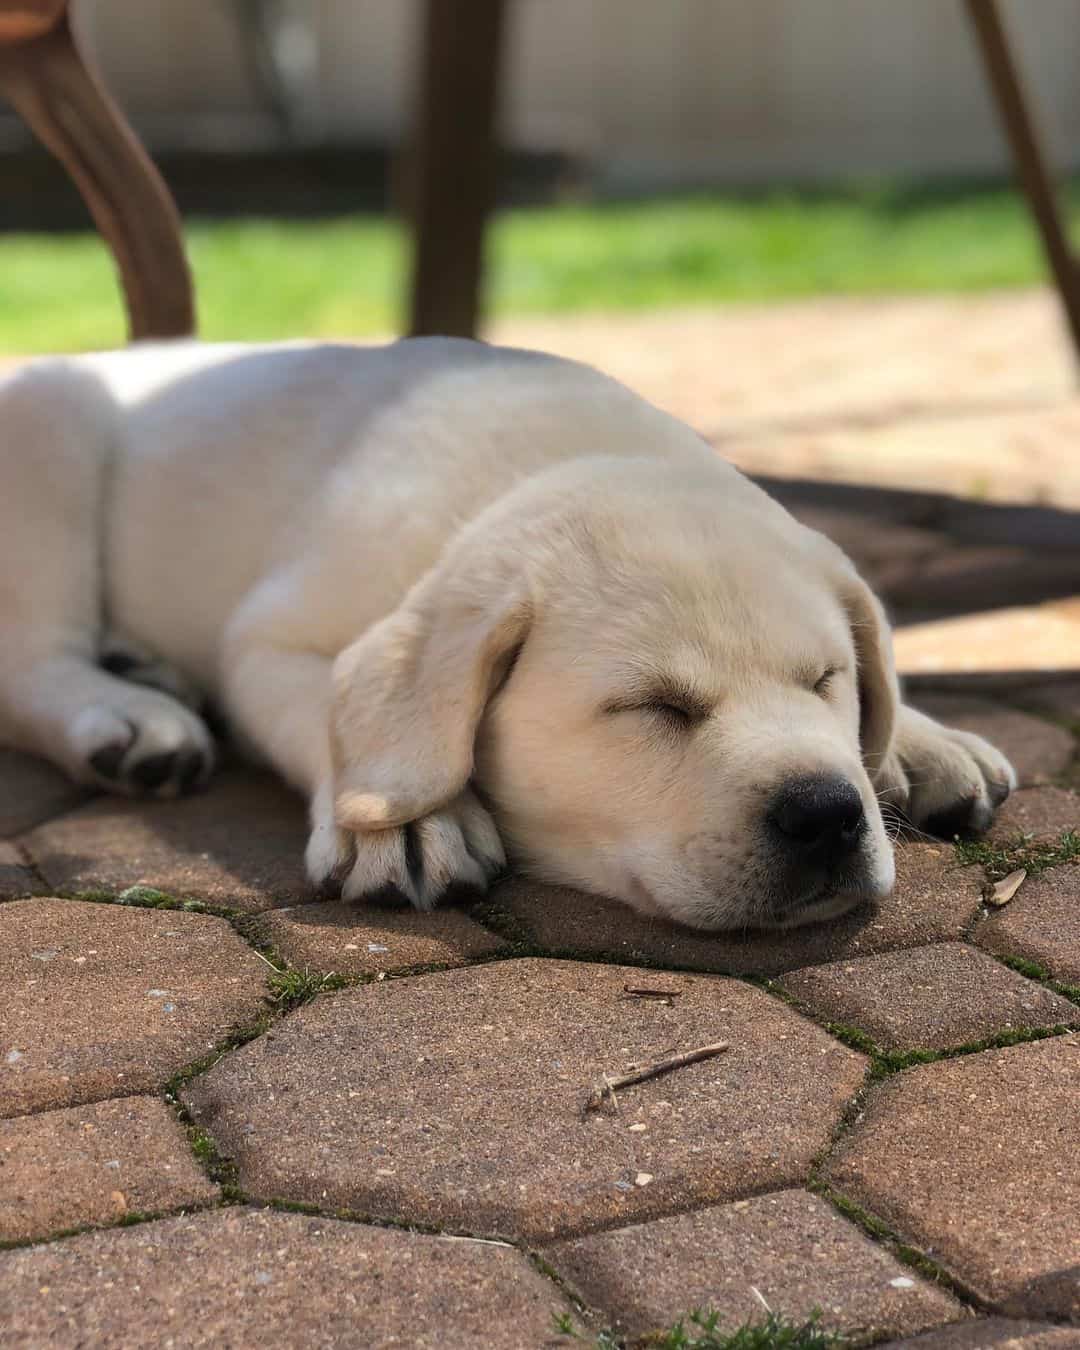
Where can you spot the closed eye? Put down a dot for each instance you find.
(677, 708)
(824, 681)
(674, 713)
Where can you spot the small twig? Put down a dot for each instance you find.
(605, 1088)
(631, 992)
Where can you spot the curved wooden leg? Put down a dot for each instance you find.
(50, 86)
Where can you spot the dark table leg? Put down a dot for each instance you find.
(449, 181)
(1027, 153)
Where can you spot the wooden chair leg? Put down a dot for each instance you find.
(50, 86)
(1027, 153)
(450, 171)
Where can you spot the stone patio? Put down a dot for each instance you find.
(193, 1049)
(233, 1115)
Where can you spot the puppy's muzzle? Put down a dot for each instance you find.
(817, 822)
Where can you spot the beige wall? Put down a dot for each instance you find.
(664, 89)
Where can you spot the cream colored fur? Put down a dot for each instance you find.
(446, 591)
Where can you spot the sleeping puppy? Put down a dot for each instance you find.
(472, 602)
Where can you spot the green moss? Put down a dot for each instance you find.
(1020, 852)
(700, 1330)
(146, 897)
(1039, 973)
(291, 989)
(884, 1235)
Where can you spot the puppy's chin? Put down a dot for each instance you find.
(829, 906)
(829, 901)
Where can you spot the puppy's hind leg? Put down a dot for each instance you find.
(58, 427)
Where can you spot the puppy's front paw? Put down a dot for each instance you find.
(945, 782)
(455, 848)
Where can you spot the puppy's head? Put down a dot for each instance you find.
(668, 691)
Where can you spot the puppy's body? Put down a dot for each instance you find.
(428, 515)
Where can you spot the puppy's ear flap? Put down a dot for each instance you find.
(410, 693)
(879, 689)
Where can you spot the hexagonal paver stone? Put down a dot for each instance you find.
(793, 1248)
(1043, 813)
(933, 900)
(95, 1164)
(993, 1333)
(1039, 750)
(1042, 924)
(15, 878)
(239, 844)
(242, 1277)
(1060, 698)
(974, 1159)
(457, 1098)
(363, 939)
(100, 1000)
(928, 998)
(31, 791)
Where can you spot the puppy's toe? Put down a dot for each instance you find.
(153, 748)
(961, 819)
(447, 855)
(967, 780)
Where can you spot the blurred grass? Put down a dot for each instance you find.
(263, 279)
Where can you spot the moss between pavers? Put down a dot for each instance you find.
(126, 1220)
(145, 897)
(1040, 975)
(884, 1063)
(699, 1330)
(888, 1238)
(1020, 852)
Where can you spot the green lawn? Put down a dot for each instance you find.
(345, 277)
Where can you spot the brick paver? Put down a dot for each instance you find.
(345, 939)
(15, 878)
(1061, 698)
(95, 1164)
(1044, 813)
(928, 998)
(239, 1277)
(100, 1000)
(974, 1159)
(934, 900)
(32, 791)
(993, 1333)
(456, 1098)
(1042, 924)
(240, 845)
(790, 1246)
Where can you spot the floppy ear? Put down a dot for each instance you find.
(879, 689)
(409, 694)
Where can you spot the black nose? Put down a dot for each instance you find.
(820, 816)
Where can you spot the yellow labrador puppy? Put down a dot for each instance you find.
(472, 602)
